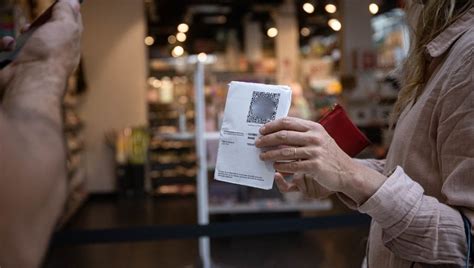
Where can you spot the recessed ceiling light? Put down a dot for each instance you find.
(335, 24)
(183, 28)
(373, 8)
(177, 51)
(181, 37)
(149, 40)
(272, 32)
(305, 31)
(330, 8)
(308, 7)
(172, 39)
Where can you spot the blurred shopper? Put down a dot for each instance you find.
(416, 196)
(32, 148)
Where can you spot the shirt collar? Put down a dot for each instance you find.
(445, 39)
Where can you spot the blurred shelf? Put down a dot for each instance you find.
(174, 190)
(173, 180)
(188, 136)
(177, 136)
(172, 164)
(269, 207)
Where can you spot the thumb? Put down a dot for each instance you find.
(315, 189)
(283, 185)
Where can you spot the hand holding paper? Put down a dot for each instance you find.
(309, 149)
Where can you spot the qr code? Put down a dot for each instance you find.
(263, 107)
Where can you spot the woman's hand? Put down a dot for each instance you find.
(307, 148)
(303, 183)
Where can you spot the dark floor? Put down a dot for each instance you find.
(342, 247)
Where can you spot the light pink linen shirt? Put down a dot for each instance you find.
(415, 213)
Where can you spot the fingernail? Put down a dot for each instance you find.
(262, 129)
(257, 142)
(262, 156)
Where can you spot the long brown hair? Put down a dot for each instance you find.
(433, 17)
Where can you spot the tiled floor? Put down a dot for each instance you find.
(343, 247)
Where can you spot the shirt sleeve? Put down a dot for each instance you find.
(418, 227)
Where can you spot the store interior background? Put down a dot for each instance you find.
(130, 119)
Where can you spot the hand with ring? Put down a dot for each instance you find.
(304, 147)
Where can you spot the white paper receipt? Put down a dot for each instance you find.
(248, 107)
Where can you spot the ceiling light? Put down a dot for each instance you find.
(181, 37)
(149, 40)
(335, 24)
(177, 51)
(308, 7)
(172, 39)
(202, 57)
(330, 8)
(305, 31)
(272, 32)
(183, 28)
(373, 8)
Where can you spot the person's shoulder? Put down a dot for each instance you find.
(464, 46)
(460, 65)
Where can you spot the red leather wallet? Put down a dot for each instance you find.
(344, 132)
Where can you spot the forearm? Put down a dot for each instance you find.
(32, 162)
(31, 197)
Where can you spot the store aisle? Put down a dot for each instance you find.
(327, 248)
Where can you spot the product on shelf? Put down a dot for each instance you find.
(131, 151)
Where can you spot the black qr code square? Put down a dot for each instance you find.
(263, 107)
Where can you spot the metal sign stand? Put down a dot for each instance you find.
(202, 180)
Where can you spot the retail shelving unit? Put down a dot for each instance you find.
(172, 156)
